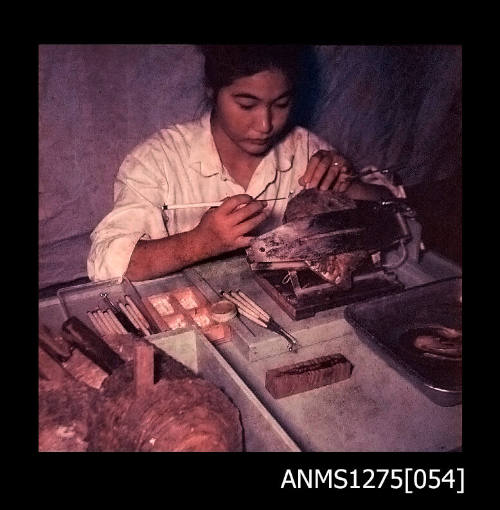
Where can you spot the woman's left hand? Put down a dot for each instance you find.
(327, 170)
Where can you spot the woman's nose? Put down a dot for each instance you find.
(265, 121)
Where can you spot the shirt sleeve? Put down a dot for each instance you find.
(139, 191)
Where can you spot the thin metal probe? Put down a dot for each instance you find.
(212, 204)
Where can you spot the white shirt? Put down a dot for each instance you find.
(181, 165)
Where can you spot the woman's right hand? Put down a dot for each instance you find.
(224, 228)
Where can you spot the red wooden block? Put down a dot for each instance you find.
(307, 375)
(143, 368)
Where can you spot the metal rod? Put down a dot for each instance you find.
(293, 344)
(105, 297)
(369, 172)
(212, 204)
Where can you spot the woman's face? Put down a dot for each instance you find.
(253, 110)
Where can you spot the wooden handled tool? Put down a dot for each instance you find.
(92, 346)
(212, 204)
(252, 311)
(122, 316)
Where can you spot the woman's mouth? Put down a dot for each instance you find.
(257, 141)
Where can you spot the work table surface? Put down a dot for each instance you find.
(375, 410)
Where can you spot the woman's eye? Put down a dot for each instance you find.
(282, 105)
(246, 106)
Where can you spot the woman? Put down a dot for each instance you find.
(245, 152)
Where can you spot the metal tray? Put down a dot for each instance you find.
(262, 433)
(79, 299)
(382, 322)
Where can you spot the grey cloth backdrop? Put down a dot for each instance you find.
(380, 105)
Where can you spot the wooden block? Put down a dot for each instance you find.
(143, 368)
(307, 375)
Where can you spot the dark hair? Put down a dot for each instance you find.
(225, 63)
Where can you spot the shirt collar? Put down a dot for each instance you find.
(203, 155)
(280, 158)
(205, 158)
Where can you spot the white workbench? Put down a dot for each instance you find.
(376, 409)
